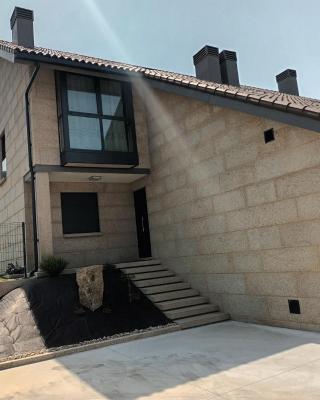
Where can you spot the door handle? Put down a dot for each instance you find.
(142, 223)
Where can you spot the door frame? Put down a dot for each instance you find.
(142, 223)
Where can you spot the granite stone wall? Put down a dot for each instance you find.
(238, 218)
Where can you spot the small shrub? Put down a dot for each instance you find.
(52, 265)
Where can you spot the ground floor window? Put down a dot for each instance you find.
(80, 213)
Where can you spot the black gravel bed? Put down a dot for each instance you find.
(61, 321)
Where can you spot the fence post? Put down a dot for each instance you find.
(24, 248)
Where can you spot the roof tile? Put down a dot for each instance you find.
(281, 101)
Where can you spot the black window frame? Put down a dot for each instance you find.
(3, 155)
(67, 221)
(85, 156)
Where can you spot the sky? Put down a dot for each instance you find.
(268, 35)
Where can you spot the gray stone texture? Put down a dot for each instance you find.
(91, 286)
(18, 329)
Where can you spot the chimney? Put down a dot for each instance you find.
(287, 82)
(229, 68)
(206, 63)
(22, 27)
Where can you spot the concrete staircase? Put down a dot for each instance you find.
(176, 299)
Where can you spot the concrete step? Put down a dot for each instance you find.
(144, 269)
(137, 264)
(150, 275)
(158, 281)
(177, 294)
(204, 319)
(191, 311)
(165, 288)
(180, 303)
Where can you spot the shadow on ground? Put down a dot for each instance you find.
(229, 360)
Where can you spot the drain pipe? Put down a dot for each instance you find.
(32, 174)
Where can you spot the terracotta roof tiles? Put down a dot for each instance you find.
(281, 101)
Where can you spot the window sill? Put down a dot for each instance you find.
(80, 235)
(2, 180)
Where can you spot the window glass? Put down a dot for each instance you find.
(111, 98)
(115, 137)
(84, 133)
(80, 213)
(3, 156)
(81, 94)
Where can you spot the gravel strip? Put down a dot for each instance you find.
(46, 354)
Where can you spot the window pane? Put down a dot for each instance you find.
(115, 137)
(81, 94)
(111, 98)
(4, 166)
(84, 133)
(80, 212)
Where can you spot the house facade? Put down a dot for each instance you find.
(107, 162)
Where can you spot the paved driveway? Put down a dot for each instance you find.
(230, 360)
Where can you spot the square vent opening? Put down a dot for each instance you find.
(269, 135)
(294, 306)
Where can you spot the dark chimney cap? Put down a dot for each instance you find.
(228, 55)
(205, 51)
(23, 13)
(286, 74)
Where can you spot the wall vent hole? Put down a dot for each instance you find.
(294, 306)
(268, 135)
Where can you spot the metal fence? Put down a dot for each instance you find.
(12, 247)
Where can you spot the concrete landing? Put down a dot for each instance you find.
(226, 361)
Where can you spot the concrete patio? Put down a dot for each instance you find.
(230, 360)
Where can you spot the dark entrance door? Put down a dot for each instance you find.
(143, 233)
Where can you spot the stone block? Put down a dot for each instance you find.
(208, 187)
(264, 238)
(226, 283)
(91, 286)
(198, 282)
(240, 155)
(309, 206)
(300, 234)
(291, 259)
(244, 307)
(226, 140)
(272, 284)
(186, 247)
(275, 213)
(228, 201)
(206, 169)
(223, 243)
(262, 193)
(309, 284)
(237, 178)
(247, 262)
(287, 161)
(177, 197)
(299, 184)
(201, 208)
(215, 224)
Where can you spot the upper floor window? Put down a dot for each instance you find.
(3, 160)
(96, 117)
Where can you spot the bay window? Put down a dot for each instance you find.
(96, 120)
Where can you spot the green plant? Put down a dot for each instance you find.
(52, 265)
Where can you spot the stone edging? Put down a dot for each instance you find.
(67, 350)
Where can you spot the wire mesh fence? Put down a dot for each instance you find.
(12, 248)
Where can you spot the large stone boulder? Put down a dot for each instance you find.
(91, 286)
